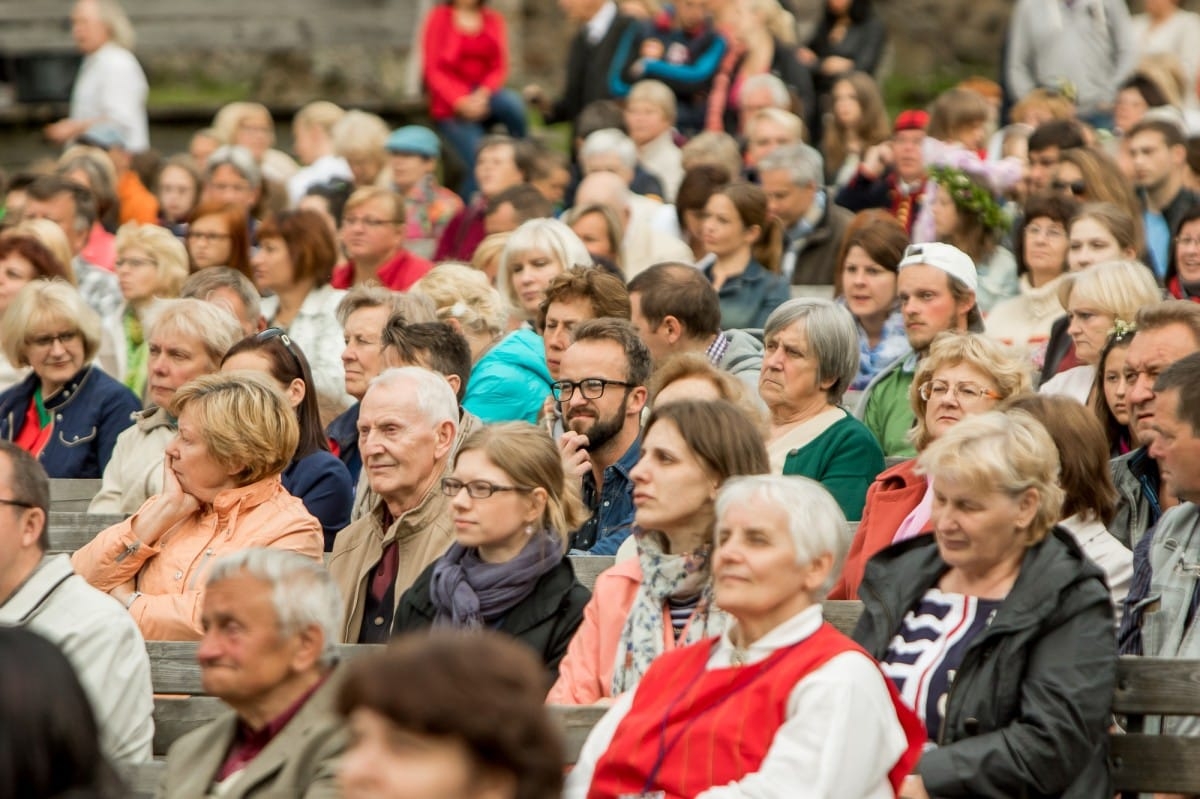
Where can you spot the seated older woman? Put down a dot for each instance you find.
(662, 599)
(186, 339)
(823, 711)
(963, 374)
(151, 265)
(810, 359)
(507, 569)
(221, 493)
(1004, 605)
(67, 413)
(447, 714)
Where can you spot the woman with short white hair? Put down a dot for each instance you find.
(537, 252)
(822, 709)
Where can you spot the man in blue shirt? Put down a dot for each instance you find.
(1159, 154)
(601, 391)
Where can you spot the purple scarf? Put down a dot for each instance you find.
(469, 592)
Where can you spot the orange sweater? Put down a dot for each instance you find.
(172, 573)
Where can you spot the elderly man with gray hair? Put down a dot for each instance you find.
(407, 427)
(813, 225)
(271, 621)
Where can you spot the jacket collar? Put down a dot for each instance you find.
(233, 502)
(52, 572)
(63, 397)
(154, 417)
(432, 507)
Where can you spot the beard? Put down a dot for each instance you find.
(603, 429)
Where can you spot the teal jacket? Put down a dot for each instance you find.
(845, 459)
(510, 382)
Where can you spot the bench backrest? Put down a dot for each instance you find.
(72, 495)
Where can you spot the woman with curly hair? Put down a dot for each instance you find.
(966, 215)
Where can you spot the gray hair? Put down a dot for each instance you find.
(201, 285)
(816, 523)
(832, 336)
(803, 164)
(211, 324)
(241, 159)
(302, 591)
(551, 236)
(414, 306)
(609, 140)
(434, 398)
(120, 29)
(780, 97)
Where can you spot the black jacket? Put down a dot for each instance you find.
(587, 71)
(1029, 708)
(546, 620)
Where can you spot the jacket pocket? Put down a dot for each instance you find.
(76, 440)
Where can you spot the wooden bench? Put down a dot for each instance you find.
(71, 530)
(72, 495)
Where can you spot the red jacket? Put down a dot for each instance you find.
(397, 274)
(457, 63)
(894, 494)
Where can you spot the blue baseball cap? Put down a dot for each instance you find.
(415, 140)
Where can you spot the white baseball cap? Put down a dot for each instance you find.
(946, 257)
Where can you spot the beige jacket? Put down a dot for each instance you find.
(423, 534)
(134, 473)
(171, 574)
(301, 761)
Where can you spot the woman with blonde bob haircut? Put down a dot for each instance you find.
(812, 692)
(1008, 607)
(151, 266)
(67, 412)
(1099, 299)
(467, 302)
(963, 374)
(537, 252)
(221, 493)
(513, 511)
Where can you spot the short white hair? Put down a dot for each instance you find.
(606, 141)
(434, 398)
(302, 591)
(816, 523)
(780, 97)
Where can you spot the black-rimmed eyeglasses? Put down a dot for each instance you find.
(591, 387)
(476, 489)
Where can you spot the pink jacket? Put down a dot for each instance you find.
(585, 674)
(171, 574)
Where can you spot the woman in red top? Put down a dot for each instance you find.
(465, 65)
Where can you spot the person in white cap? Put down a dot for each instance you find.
(936, 290)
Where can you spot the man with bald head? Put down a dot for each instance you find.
(645, 243)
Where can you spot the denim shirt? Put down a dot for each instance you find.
(748, 299)
(612, 510)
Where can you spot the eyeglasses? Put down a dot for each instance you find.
(275, 332)
(135, 262)
(1076, 187)
(16, 503)
(477, 489)
(367, 221)
(966, 392)
(196, 235)
(1036, 231)
(591, 388)
(1187, 242)
(46, 342)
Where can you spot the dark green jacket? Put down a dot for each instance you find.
(1029, 708)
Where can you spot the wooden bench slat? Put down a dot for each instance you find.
(141, 779)
(72, 530)
(1157, 686)
(72, 495)
(174, 670)
(1166, 763)
(174, 717)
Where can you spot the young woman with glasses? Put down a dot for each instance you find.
(507, 569)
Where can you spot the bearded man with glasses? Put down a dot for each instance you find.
(601, 392)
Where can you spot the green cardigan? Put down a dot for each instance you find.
(845, 459)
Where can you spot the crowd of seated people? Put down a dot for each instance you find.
(606, 427)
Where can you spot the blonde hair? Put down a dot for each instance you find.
(1008, 452)
(42, 302)
(168, 252)
(366, 194)
(713, 147)
(461, 292)
(244, 420)
(793, 124)
(697, 366)
(320, 114)
(527, 455)
(491, 248)
(656, 93)
(120, 29)
(50, 236)
(359, 133)
(552, 237)
(1010, 373)
(231, 116)
(1116, 288)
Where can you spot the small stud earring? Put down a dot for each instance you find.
(529, 529)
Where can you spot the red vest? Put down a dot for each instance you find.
(694, 729)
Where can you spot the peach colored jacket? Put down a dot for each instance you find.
(585, 674)
(172, 573)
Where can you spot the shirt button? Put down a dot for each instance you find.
(378, 620)
(606, 504)
(178, 575)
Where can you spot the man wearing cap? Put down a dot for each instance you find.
(936, 290)
(137, 203)
(428, 206)
(892, 174)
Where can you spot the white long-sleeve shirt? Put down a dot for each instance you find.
(112, 87)
(840, 739)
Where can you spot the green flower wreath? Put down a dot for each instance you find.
(969, 195)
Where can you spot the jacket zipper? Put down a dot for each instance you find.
(199, 568)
